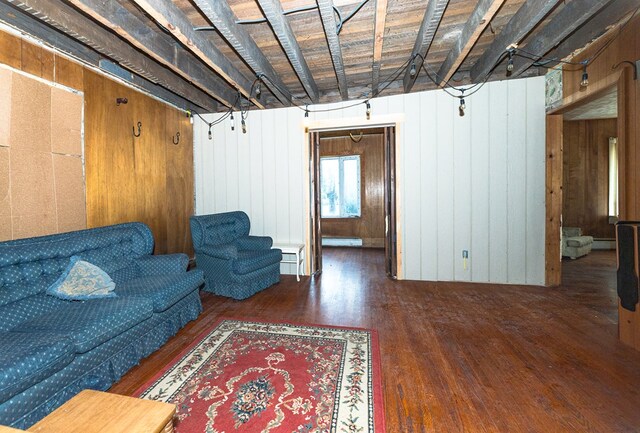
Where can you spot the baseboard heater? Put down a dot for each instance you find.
(341, 242)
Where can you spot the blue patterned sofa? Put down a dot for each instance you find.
(50, 349)
(235, 264)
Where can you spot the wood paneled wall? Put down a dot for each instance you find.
(146, 179)
(604, 72)
(586, 176)
(370, 225)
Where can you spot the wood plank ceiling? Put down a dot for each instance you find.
(212, 54)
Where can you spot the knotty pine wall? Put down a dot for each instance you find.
(585, 185)
(370, 225)
(475, 182)
(144, 179)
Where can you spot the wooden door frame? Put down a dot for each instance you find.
(554, 171)
(341, 124)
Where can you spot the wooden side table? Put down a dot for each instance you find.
(101, 412)
(295, 249)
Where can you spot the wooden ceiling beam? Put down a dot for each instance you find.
(176, 22)
(156, 45)
(565, 22)
(477, 22)
(378, 43)
(274, 13)
(223, 18)
(432, 17)
(331, 33)
(74, 24)
(526, 18)
(593, 29)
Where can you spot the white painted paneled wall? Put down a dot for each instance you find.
(471, 183)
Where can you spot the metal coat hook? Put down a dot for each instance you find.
(354, 139)
(176, 138)
(139, 130)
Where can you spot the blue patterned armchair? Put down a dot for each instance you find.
(234, 263)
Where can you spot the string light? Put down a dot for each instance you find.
(510, 62)
(244, 127)
(259, 89)
(412, 71)
(462, 107)
(368, 110)
(233, 123)
(210, 135)
(585, 77)
(306, 111)
(190, 116)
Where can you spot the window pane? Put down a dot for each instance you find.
(351, 187)
(329, 187)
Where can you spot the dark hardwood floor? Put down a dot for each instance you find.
(463, 357)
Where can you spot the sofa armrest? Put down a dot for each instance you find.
(162, 264)
(254, 243)
(225, 251)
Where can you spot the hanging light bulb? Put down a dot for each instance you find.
(462, 107)
(306, 111)
(259, 90)
(412, 71)
(190, 116)
(510, 63)
(233, 123)
(210, 135)
(585, 77)
(244, 127)
(368, 110)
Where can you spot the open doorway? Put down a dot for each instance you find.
(353, 192)
(590, 185)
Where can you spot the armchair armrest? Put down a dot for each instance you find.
(162, 264)
(254, 242)
(225, 251)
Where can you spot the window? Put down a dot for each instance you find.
(340, 186)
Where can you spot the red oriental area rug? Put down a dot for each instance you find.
(274, 377)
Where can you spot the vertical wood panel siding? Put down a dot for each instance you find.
(471, 183)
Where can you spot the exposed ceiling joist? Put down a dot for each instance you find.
(272, 10)
(223, 18)
(156, 45)
(430, 22)
(71, 22)
(331, 33)
(528, 16)
(594, 28)
(378, 43)
(477, 22)
(565, 22)
(170, 17)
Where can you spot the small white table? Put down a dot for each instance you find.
(295, 249)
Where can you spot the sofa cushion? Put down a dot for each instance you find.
(81, 281)
(26, 359)
(579, 241)
(89, 324)
(162, 290)
(252, 260)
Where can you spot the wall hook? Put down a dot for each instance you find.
(356, 139)
(176, 138)
(139, 128)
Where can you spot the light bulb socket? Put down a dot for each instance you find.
(210, 134)
(259, 90)
(368, 111)
(233, 123)
(463, 106)
(306, 113)
(244, 127)
(412, 71)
